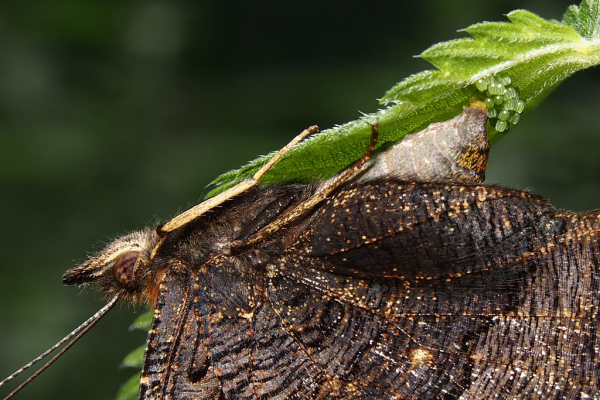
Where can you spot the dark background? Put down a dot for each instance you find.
(114, 114)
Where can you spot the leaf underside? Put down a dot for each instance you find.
(536, 54)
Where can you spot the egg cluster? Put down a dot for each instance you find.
(502, 101)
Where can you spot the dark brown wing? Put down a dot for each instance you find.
(471, 292)
(175, 364)
(201, 346)
(391, 291)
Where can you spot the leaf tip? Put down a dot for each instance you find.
(585, 19)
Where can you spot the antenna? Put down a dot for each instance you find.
(78, 333)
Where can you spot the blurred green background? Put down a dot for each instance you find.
(115, 114)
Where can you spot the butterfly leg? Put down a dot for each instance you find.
(301, 209)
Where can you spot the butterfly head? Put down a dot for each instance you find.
(120, 268)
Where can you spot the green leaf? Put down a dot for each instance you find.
(130, 389)
(536, 54)
(142, 322)
(135, 359)
(585, 19)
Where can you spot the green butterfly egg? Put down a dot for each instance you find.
(514, 118)
(492, 113)
(489, 103)
(501, 126)
(520, 106)
(511, 93)
(481, 85)
(510, 104)
(503, 115)
(498, 99)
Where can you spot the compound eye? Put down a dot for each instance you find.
(124, 267)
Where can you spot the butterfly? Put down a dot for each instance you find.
(399, 278)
